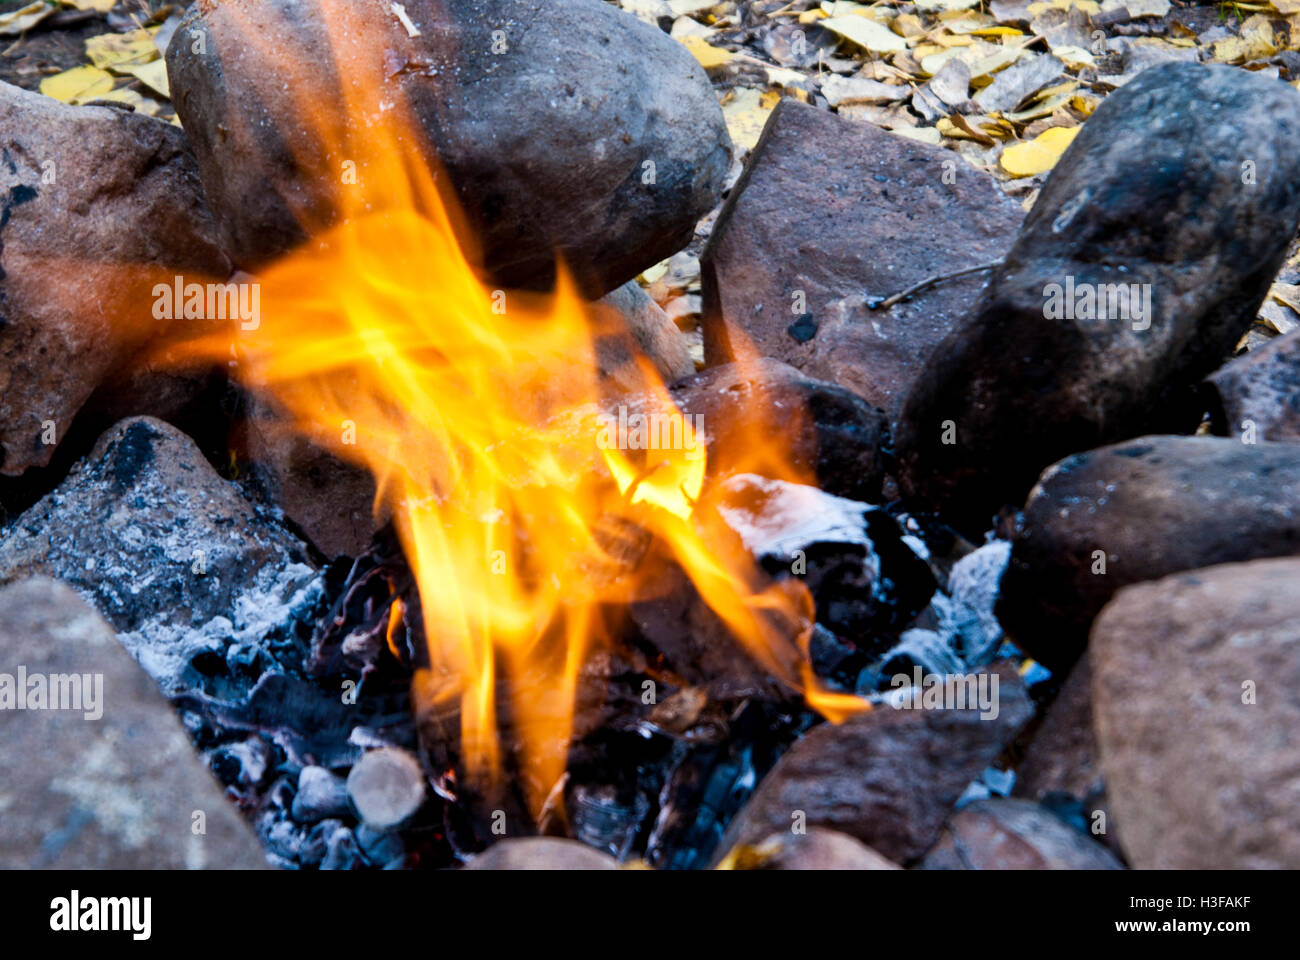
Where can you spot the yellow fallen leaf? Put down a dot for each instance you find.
(154, 76)
(924, 134)
(708, 55)
(1286, 7)
(1039, 154)
(1089, 7)
(932, 63)
(745, 112)
(1005, 31)
(99, 6)
(78, 84)
(24, 18)
(139, 103)
(1084, 104)
(868, 34)
(1074, 57)
(119, 51)
(1287, 294)
(1256, 41)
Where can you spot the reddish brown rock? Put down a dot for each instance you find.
(829, 212)
(1001, 834)
(1196, 690)
(888, 777)
(1259, 393)
(97, 206)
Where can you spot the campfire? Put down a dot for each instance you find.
(449, 547)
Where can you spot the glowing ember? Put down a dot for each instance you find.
(479, 413)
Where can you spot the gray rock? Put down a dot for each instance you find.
(387, 786)
(1001, 834)
(828, 213)
(97, 206)
(321, 795)
(191, 574)
(1139, 511)
(1196, 691)
(888, 777)
(1259, 393)
(115, 784)
(544, 115)
(1186, 184)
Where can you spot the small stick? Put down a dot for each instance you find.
(878, 303)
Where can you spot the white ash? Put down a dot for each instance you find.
(165, 648)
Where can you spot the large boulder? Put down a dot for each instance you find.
(97, 207)
(1137, 511)
(1143, 261)
(1196, 690)
(828, 214)
(566, 127)
(101, 776)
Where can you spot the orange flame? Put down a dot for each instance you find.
(478, 412)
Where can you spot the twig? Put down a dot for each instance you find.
(884, 303)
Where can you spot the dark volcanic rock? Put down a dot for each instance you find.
(1259, 393)
(569, 127)
(115, 784)
(1138, 511)
(830, 433)
(999, 834)
(829, 212)
(1185, 183)
(1196, 689)
(888, 777)
(97, 206)
(190, 573)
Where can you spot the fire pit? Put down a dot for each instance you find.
(449, 547)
